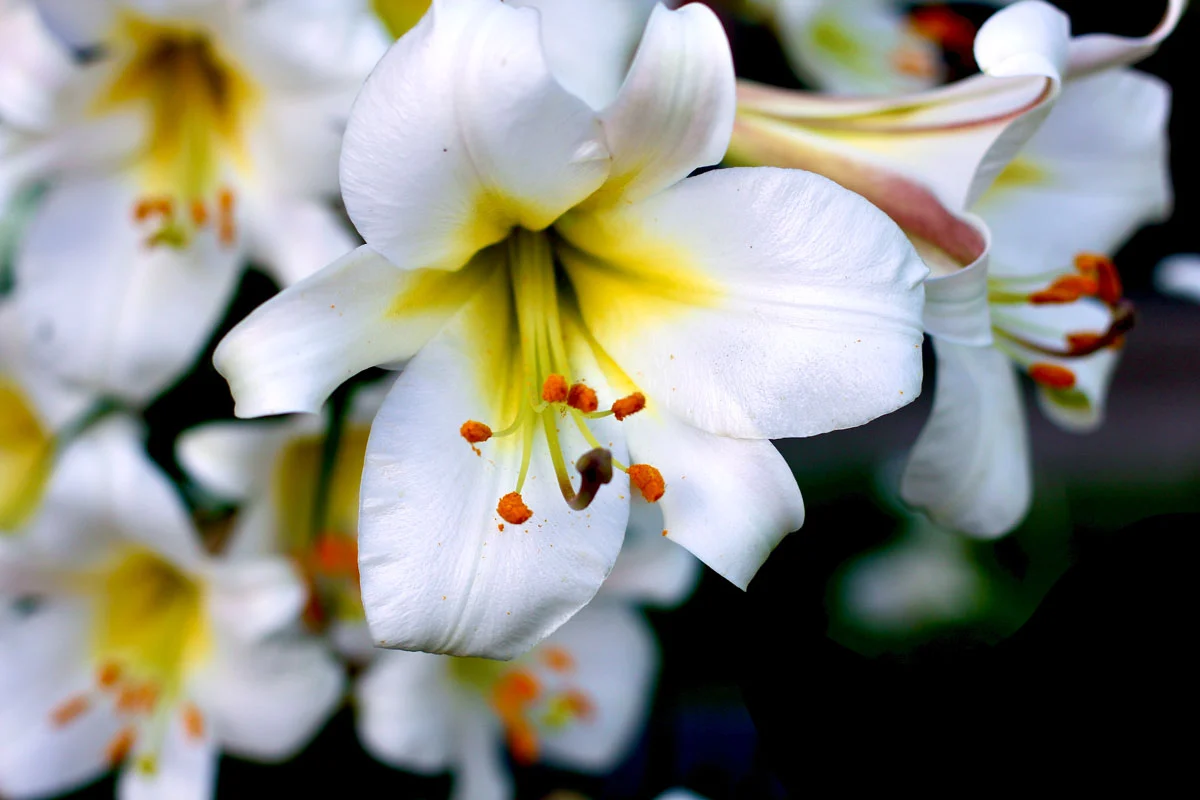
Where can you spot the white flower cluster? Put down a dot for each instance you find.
(595, 341)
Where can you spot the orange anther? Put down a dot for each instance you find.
(583, 398)
(558, 659)
(1052, 376)
(193, 722)
(1105, 273)
(120, 745)
(199, 213)
(948, 28)
(336, 554)
(578, 703)
(913, 62)
(69, 711)
(514, 691)
(139, 698)
(475, 432)
(554, 390)
(648, 480)
(523, 742)
(1084, 343)
(147, 207)
(225, 201)
(108, 675)
(512, 509)
(226, 228)
(628, 405)
(1055, 294)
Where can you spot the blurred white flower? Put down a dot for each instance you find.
(532, 258)
(576, 701)
(125, 645)
(1058, 198)
(195, 135)
(1179, 275)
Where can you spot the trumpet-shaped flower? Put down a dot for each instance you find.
(127, 646)
(560, 292)
(1060, 175)
(199, 134)
(576, 701)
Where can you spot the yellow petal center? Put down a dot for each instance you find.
(26, 455)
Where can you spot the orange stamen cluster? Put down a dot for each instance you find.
(512, 509)
(648, 480)
(1095, 276)
(511, 697)
(174, 229)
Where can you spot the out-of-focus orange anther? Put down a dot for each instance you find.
(137, 698)
(1052, 376)
(147, 207)
(109, 674)
(583, 398)
(336, 555)
(579, 704)
(512, 509)
(475, 432)
(939, 24)
(193, 722)
(1104, 272)
(523, 742)
(913, 62)
(628, 405)
(1084, 343)
(226, 226)
(120, 745)
(1066, 289)
(554, 389)
(558, 659)
(69, 711)
(199, 213)
(648, 480)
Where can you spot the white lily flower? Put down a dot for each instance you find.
(1050, 301)
(577, 701)
(35, 411)
(204, 133)
(125, 645)
(1179, 275)
(529, 258)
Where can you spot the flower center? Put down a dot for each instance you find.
(197, 104)
(1094, 278)
(149, 628)
(531, 698)
(546, 393)
(317, 509)
(26, 455)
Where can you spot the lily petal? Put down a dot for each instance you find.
(185, 767)
(406, 711)
(441, 571)
(253, 598)
(754, 303)
(1179, 275)
(32, 67)
(970, 468)
(728, 501)
(477, 137)
(651, 570)
(675, 110)
(956, 303)
(1100, 51)
(359, 312)
(294, 240)
(232, 459)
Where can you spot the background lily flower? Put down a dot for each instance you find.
(199, 135)
(1179, 275)
(1051, 301)
(576, 701)
(127, 646)
(531, 260)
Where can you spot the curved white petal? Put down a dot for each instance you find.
(33, 67)
(232, 459)
(441, 571)
(1179, 275)
(1081, 409)
(359, 312)
(970, 468)
(674, 112)
(54, 403)
(253, 598)
(590, 43)
(460, 133)
(185, 767)
(956, 303)
(481, 773)
(1094, 173)
(406, 711)
(1100, 51)
(651, 570)
(615, 665)
(850, 47)
(294, 240)
(728, 501)
(79, 25)
(266, 701)
(103, 309)
(758, 303)
(105, 489)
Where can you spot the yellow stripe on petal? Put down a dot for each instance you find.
(399, 16)
(26, 451)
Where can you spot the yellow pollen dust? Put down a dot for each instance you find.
(198, 105)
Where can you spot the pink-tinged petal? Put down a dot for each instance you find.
(1100, 51)
(755, 303)
(441, 570)
(461, 133)
(359, 312)
(956, 303)
(970, 468)
(674, 112)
